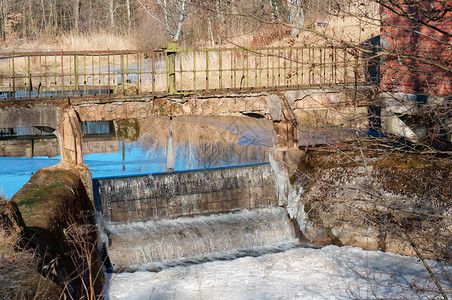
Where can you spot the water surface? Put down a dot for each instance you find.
(139, 147)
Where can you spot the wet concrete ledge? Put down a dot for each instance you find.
(171, 195)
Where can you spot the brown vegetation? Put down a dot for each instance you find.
(48, 249)
(19, 278)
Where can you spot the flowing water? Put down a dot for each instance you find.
(188, 193)
(157, 245)
(205, 222)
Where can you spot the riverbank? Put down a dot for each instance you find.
(52, 251)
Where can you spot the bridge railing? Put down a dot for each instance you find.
(85, 74)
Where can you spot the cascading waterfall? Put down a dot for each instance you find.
(161, 220)
(154, 245)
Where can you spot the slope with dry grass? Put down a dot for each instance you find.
(19, 278)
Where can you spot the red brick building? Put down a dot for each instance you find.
(418, 36)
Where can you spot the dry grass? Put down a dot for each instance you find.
(97, 40)
(19, 278)
(15, 266)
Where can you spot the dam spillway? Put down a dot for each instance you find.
(161, 220)
(171, 195)
(156, 245)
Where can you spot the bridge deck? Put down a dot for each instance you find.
(172, 71)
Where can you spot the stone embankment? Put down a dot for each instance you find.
(356, 200)
(52, 218)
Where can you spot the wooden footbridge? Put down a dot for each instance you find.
(57, 90)
(88, 75)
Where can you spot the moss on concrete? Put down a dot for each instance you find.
(48, 195)
(52, 203)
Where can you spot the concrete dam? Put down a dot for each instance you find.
(161, 220)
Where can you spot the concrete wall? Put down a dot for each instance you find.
(287, 109)
(45, 115)
(50, 146)
(186, 193)
(29, 147)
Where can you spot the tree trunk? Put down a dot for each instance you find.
(129, 17)
(52, 18)
(181, 19)
(2, 19)
(43, 20)
(30, 18)
(90, 16)
(112, 16)
(5, 16)
(76, 15)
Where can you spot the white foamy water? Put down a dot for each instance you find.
(154, 245)
(328, 273)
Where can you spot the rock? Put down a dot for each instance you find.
(294, 96)
(400, 103)
(343, 207)
(126, 88)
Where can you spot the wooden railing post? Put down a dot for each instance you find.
(170, 49)
(76, 88)
(13, 76)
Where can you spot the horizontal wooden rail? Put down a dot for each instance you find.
(169, 71)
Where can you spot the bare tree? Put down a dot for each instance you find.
(76, 15)
(129, 17)
(174, 12)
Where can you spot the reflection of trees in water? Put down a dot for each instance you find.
(157, 130)
(217, 154)
(196, 145)
(207, 154)
(201, 145)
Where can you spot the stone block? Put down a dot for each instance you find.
(121, 111)
(274, 108)
(294, 96)
(107, 111)
(187, 108)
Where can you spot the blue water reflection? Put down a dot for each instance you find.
(16, 171)
(109, 157)
(137, 159)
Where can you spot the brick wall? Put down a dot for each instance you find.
(415, 48)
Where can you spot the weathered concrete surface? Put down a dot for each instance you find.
(286, 109)
(59, 227)
(323, 107)
(179, 194)
(29, 116)
(274, 108)
(70, 137)
(345, 202)
(420, 118)
(207, 106)
(267, 104)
